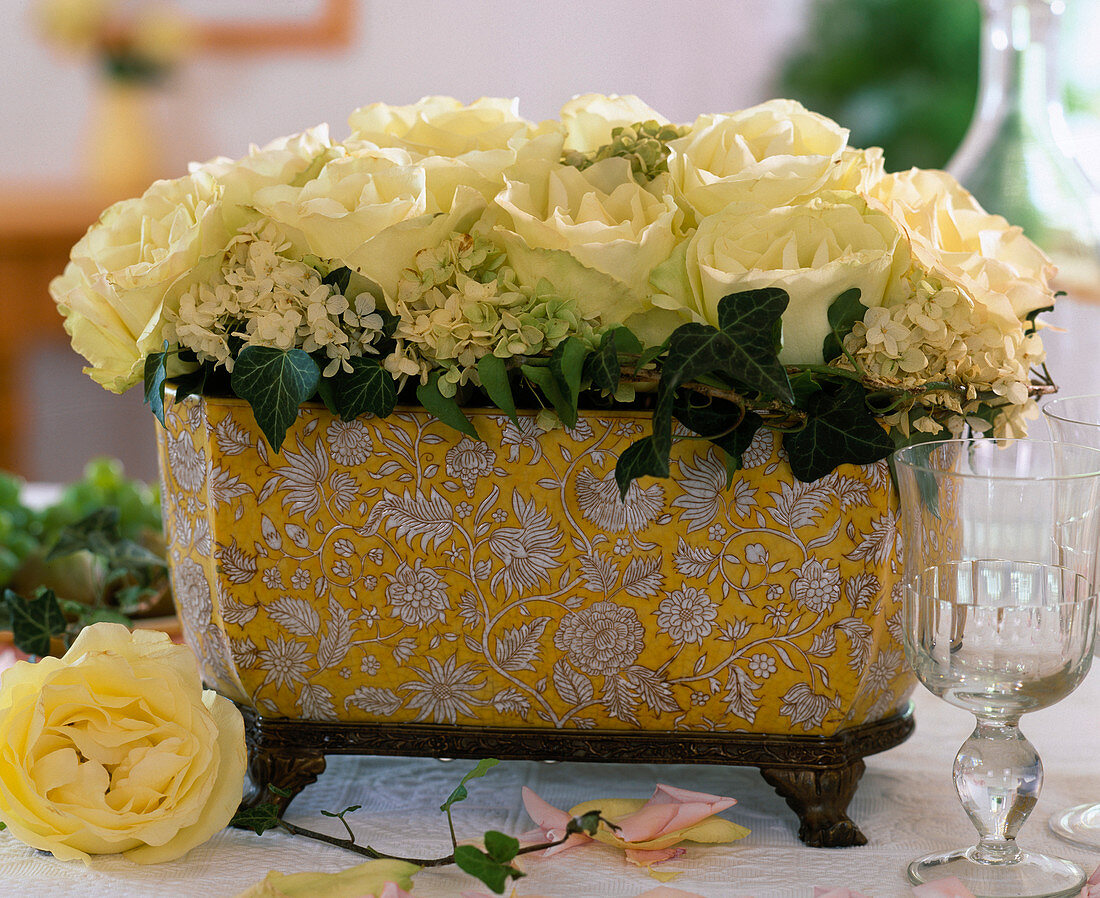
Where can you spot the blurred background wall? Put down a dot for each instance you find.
(902, 73)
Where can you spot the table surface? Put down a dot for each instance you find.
(906, 805)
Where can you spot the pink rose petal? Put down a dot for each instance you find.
(392, 890)
(648, 857)
(551, 823)
(1092, 886)
(666, 892)
(824, 892)
(951, 887)
(670, 809)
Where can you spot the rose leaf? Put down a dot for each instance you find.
(444, 407)
(493, 374)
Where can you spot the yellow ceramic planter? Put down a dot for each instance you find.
(393, 570)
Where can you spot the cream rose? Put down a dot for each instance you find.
(769, 155)
(116, 748)
(442, 126)
(292, 160)
(815, 251)
(590, 118)
(990, 260)
(133, 264)
(602, 218)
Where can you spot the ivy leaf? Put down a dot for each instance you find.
(445, 408)
(274, 382)
(34, 621)
(715, 422)
(640, 459)
(840, 429)
(493, 374)
(339, 279)
(326, 392)
(844, 311)
(96, 532)
(542, 378)
(259, 818)
(602, 367)
(156, 373)
(480, 865)
(193, 383)
(500, 847)
(587, 823)
(567, 366)
(460, 793)
(369, 388)
(752, 320)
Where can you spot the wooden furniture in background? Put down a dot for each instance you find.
(38, 227)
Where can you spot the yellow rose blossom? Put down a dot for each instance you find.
(116, 748)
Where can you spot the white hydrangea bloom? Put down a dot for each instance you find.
(266, 297)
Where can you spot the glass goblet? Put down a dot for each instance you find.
(999, 618)
(1076, 419)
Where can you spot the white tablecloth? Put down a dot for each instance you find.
(906, 805)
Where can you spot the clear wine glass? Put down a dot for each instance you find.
(1000, 619)
(1076, 419)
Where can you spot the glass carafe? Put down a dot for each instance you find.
(1015, 157)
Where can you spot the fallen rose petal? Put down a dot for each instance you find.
(951, 887)
(551, 823)
(1092, 886)
(368, 880)
(667, 892)
(644, 858)
(670, 810)
(714, 830)
(826, 892)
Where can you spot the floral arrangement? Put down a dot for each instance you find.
(750, 269)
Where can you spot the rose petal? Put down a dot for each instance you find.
(951, 887)
(670, 810)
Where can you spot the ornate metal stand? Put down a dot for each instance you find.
(817, 776)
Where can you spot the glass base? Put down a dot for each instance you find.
(1079, 826)
(1032, 876)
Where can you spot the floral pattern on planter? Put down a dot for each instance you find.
(396, 570)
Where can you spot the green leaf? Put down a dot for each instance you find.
(156, 373)
(602, 366)
(339, 279)
(840, 429)
(96, 532)
(460, 793)
(567, 366)
(720, 422)
(493, 373)
(544, 379)
(844, 312)
(347, 810)
(443, 407)
(369, 388)
(640, 459)
(480, 865)
(501, 847)
(274, 382)
(326, 392)
(259, 818)
(752, 319)
(34, 621)
(193, 383)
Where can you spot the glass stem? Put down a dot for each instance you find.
(998, 775)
